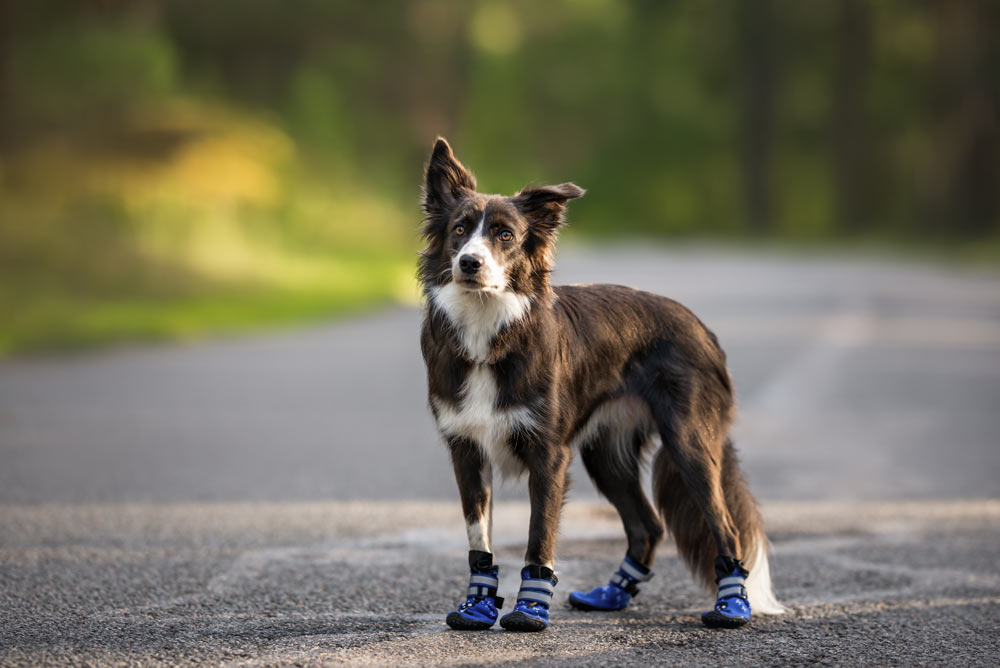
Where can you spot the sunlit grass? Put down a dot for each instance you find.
(194, 220)
(55, 322)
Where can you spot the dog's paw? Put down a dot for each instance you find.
(519, 621)
(460, 622)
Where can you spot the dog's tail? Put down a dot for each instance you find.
(690, 531)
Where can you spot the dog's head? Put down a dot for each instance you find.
(487, 243)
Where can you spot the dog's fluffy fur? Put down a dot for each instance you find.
(521, 373)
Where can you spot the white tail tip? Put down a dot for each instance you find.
(759, 589)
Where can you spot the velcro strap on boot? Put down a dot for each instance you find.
(629, 575)
(732, 585)
(539, 591)
(485, 584)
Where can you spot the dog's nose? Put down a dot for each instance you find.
(469, 264)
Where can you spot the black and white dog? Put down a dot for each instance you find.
(520, 373)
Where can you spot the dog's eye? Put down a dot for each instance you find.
(506, 235)
(459, 230)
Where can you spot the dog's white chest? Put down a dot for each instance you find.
(478, 316)
(477, 418)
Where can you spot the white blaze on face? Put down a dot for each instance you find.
(491, 273)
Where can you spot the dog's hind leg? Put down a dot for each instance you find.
(547, 479)
(474, 476)
(707, 505)
(617, 476)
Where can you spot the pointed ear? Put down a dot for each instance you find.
(445, 182)
(544, 207)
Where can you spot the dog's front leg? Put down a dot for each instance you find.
(546, 487)
(547, 480)
(474, 476)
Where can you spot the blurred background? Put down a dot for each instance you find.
(818, 180)
(169, 169)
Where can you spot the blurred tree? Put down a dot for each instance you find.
(155, 149)
(850, 138)
(967, 110)
(6, 84)
(757, 40)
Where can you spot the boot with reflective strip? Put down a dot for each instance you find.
(531, 612)
(732, 609)
(617, 594)
(479, 610)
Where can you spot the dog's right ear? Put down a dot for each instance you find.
(446, 182)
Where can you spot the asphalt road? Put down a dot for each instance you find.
(241, 501)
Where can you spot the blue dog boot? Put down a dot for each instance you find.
(479, 610)
(617, 594)
(531, 613)
(732, 609)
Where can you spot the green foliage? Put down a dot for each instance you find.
(167, 168)
(74, 71)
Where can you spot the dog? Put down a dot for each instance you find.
(521, 374)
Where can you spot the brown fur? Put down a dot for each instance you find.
(687, 524)
(575, 351)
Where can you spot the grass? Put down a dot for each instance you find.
(56, 322)
(219, 226)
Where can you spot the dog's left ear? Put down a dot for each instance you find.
(545, 207)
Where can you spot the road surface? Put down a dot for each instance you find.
(283, 499)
